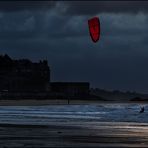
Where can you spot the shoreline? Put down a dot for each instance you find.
(37, 102)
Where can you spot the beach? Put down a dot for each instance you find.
(84, 126)
(75, 134)
(37, 102)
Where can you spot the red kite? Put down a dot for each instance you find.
(94, 28)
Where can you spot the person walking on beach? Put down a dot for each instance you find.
(68, 100)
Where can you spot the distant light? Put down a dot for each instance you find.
(94, 28)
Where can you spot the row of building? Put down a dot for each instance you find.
(24, 76)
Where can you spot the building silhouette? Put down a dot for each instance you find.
(71, 89)
(25, 79)
(23, 75)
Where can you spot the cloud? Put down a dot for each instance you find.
(76, 7)
(95, 7)
(9, 6)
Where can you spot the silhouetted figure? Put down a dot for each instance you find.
(68, 101)
(142, 110)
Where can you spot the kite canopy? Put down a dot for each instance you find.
(94, 28)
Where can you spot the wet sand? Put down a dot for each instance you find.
(75, 134)
(31, 102)
(34, 102)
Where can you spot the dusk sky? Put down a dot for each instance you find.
(58, 31)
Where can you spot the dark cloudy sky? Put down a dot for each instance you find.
(58, 31)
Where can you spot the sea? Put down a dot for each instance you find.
(43, 115)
